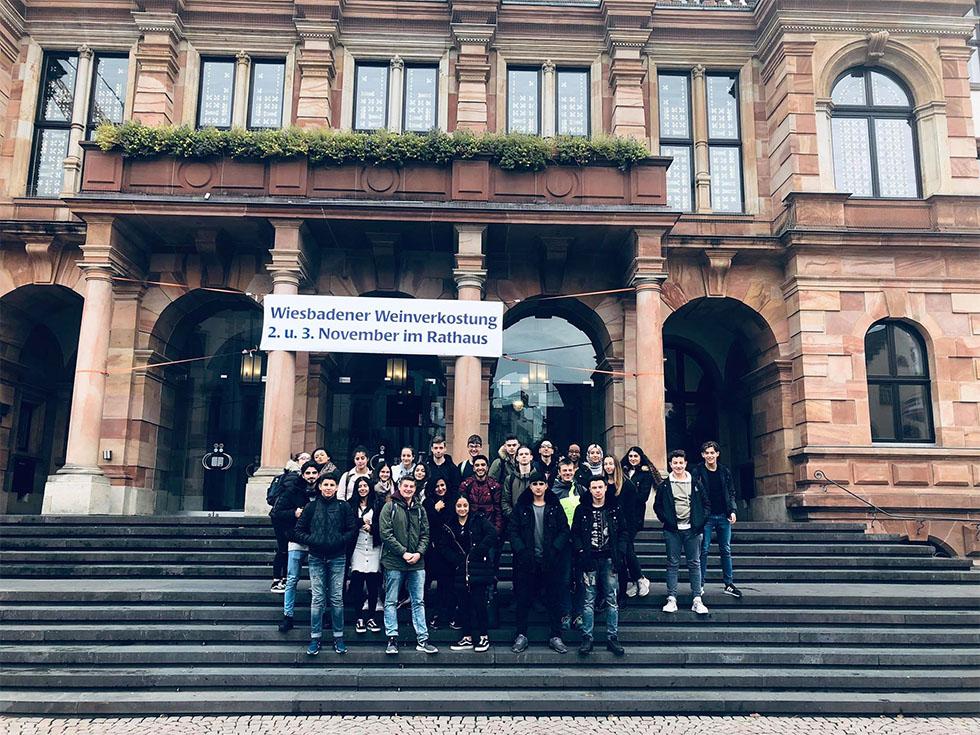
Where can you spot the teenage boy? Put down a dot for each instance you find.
(295, 491)
(599, 539)
(360, 469)
(405, 467)
(517, 482)
(287, 510)
(568, 493)
(484, 494)
(474, 447)
(681, 504)
(441, 466)
(717, 478)
(404, 540)
(506, 461)
(327, 527)
(539, 542)
(546, 462)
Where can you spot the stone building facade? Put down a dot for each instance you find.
(801, 282)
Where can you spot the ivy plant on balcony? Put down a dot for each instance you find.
(328, 147)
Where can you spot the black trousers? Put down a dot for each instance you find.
(280, 560)
(531, 582)
(364, 586)
(471, 609)
(631, 571)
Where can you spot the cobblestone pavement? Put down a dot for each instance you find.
(288, 725)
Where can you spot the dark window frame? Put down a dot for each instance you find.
(588, 98)
(90, 124)
(869, 112)
(681, 142)
(404, 113)
(200, 90)
(894, 380)
(376, 64)
(41, 123)
(539, 89)
(727, 142)
(251, 89)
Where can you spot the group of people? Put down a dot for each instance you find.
(571, 524)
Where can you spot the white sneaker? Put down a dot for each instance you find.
(671, 606)
(644, 587)
(699, 607)
(631, 589)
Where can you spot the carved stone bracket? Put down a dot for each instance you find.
(714, 271)
(43, 251)
(383, 246)
(876, 47)
(554, 254)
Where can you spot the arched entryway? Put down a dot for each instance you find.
(551, 388)
(212, 397)
(723, 382)
(38, 345)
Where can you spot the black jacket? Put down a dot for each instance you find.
(582, 533)
(470, 551)
(295, 493)
(645, 479)
(550, 471)
(521, 531)
(663, 505)
(434, 563)
(727, 485)
(629, 505)
(327, 527)
(448, 471)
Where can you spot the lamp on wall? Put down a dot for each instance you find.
(396, 370)
(251, 367)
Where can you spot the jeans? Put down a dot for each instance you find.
(296, 561)
(415, 582)
(536, 580)
(364, 586)
(690, 542)
(604, 575)
(723, 526)
(322, 573)
(282, 547)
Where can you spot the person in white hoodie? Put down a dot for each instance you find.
(345, 488)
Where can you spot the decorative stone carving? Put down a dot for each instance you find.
(714, 271)
(877, 42)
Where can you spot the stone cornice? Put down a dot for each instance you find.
(12, 28)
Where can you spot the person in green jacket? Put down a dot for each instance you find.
(404, 541)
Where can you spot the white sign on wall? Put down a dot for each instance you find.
(382, 325)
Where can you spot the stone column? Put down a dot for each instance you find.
(315, 62)
(648, 272)
(396, 85)
(472, 75)
(702, 175)
(156, 63)
(468, 397)
(81, 486)
(239, 112)
(288, 269)
(79, 117)
(549, 107)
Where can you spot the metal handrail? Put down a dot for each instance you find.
(822, 476)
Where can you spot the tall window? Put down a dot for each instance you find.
(677, 139)
(371, 97)
(52, 125)
(572, 102)
(420, 102)
(873, 136)
(724, 143)
(524, 101)
(107, 99)
(216, 99)
(265, 95)
(898, 384)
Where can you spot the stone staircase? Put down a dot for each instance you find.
(163, 615)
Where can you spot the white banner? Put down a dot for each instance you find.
(382, 325)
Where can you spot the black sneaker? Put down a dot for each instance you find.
(734, 591)
(286, 625)
(482, 645)
(392, 648)
(586, 646)
(454, 625)
(557, 645)
(465, 644)
(373, 626)
(359, 626)
(520, 644)
(614, 646)
(314, 648)
(435, 623)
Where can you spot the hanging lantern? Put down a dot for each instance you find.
(396, 370)
(538, 373)
(251, 367)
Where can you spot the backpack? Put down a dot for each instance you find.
(275, 489)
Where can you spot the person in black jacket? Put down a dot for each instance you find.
(631, 578)
(439, 464)
(539, 541)
(328, 527)
(468, 546)
(297, 491)
(440, 507)
(718, 481)
(681, 505)
(599, 541)
(292, 486)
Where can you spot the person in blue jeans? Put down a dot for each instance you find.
(404, 541)
(296, 492)
(599, 540)
(328, 527)
(717, 480)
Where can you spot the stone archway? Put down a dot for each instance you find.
(38, 344)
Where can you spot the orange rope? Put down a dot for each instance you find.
(580, 369)
(571, 295)
(178, 285)
(123, 371)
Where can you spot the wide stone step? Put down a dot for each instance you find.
(521, 700)
(331, 672)
(292, 654)
(906, 636)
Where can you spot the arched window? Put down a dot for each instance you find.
(873, 136)
(898, 384)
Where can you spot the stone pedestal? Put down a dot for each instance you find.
(77, 490)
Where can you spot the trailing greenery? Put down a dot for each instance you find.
(333, 147)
